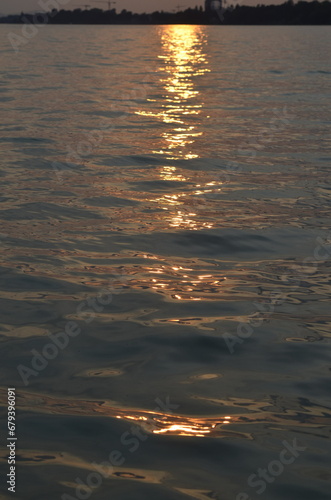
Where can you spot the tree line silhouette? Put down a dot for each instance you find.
(288, 13)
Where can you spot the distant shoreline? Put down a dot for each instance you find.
(302, 13)
(167, 24)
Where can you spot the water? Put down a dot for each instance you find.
(161, 190)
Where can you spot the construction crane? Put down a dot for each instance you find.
(179, 7)
(86, 6)
(107, 2)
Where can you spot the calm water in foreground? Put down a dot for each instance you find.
(161, 188)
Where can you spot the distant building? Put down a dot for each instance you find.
(213, 5)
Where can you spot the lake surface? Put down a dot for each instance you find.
(165, 202)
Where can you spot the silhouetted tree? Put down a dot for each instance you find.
(303, 12)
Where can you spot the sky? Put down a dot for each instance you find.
(16, 6)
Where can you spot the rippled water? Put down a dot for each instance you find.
(161, 190)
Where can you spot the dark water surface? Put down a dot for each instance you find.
(161, 190)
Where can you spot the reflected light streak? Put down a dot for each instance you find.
(179, 282)
(182, 60)
(180, 425)
(246, 412)
(179, 110)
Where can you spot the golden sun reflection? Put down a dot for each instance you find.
(182, 60)
(178, 109)
(181, 425)
(244, 413)
(178, 282)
